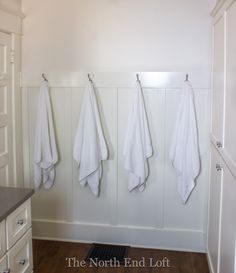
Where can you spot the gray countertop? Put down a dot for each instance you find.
(11, 198)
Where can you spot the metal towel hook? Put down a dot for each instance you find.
(89, 78)
(138, 80)
(44, 77)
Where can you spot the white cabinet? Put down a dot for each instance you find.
(222, 202)
(17, 223)
(6, 143)
(2, 238)
(16, 241)
(20, 256)
(222, 217)
(218, 82)
(214, 208)
(228, 224)
(230, 99)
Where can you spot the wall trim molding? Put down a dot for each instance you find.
(12, 11)
(10, 22)
(145, 237)
(221, 6)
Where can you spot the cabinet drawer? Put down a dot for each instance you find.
(20, 256)
(3, 265)
(18, 223)
(2, 239)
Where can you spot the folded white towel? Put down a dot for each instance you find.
(90, 146)
(138, 147)
(184, 151)
(45, 150)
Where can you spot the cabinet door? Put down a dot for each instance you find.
(6, 137)
(2, 239)
(20, 255)
(3, 265)
(230, 103)
(214, 209)
(218, 82)
(228, 224)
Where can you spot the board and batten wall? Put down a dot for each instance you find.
(154, 218)
(66, 40)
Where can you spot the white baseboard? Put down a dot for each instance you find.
(171, 239)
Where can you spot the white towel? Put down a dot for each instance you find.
(45, 151)
(184, 151)
(90, 146)
(138, 147)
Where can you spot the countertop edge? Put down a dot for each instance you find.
(17, 204)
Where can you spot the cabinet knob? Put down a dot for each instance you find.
(20, 222)
(218, 167)
(219, 144)
(22, 262)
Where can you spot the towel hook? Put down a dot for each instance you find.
(44, 77)
(89, 78)
(138, 80)
(186, 78)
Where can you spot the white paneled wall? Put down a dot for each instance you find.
(154, 218)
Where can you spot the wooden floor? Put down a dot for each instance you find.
(50, 257)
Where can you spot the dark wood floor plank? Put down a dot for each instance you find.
(50, 257)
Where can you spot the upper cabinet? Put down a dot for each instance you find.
(218, 82)
(230, 96)
(224, 81)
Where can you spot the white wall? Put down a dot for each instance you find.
(64, 39)
(116, 35)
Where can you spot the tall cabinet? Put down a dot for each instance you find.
(222, 202)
